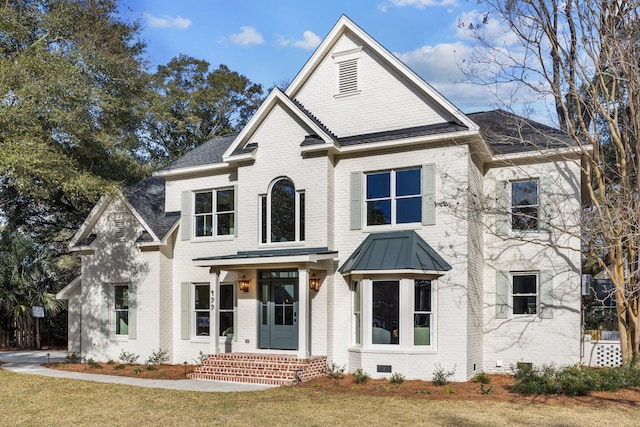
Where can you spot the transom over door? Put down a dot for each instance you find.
(278, 309)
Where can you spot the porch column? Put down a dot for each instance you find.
(214, 339)
(304, 320)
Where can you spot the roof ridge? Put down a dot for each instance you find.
(312, 117)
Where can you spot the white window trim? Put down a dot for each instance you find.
(267, 196)
(392, 196)
(406, 297)
(193, 323)
(512, 294)
(112, 312)
(213, 213)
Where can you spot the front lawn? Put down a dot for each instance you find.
(36, 400)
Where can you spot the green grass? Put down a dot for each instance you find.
(35, 400)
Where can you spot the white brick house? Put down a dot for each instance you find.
(367, 220)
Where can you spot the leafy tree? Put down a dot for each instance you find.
(585, 57)
(71, 92)
(192, 104)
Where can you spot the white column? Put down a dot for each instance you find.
(304, 320)
(214, 339)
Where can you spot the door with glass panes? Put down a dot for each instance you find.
(278, 315)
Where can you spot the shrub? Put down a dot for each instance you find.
(158, 357)
(128, 358)
(533, 381)
(335, 371)
(360, 376)
(119, 366)
(484, 390)
(92, 363)
(396, 378)
(200, 358)
(441, 376)
(110, 362)
(73, 357)
(575, 381)
(482, 378)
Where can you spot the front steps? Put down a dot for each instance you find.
(271, 369)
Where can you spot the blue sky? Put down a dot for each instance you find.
(269, 41)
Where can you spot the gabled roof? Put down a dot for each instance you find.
(395, 250)
(147, 198)
(507, 133)
(345, 25)
(277, 97)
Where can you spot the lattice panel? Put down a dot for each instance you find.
(608, 355)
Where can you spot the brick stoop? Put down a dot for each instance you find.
(256, 368)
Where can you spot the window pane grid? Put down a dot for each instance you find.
(201, 307)
(222, 212)
(524, 205)
(393, 197)
(121, 309)
(525, 294)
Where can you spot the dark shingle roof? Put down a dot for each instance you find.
(147, 198)
(270, 253)
(207, 153)
(395, 250)
(402, 133)
(508, 133)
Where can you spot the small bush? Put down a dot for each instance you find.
(119, 366)
(158, 357)
(150, 368)
(128, 358)
(482, 378)
(575, 381)
(335, 371)
(360, 376)
(110, 362)
(396, 378)
(441, 376)
(449, 390)
(136, 371)
(73, 357)
(92, 363)
(485, 390)
(200, 358)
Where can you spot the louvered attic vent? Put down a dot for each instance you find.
(348, 71)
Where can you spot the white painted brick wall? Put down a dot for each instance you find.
(386, 100)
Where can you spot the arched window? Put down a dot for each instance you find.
(282, 213)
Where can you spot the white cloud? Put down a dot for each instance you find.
(248, 36)
(309, 41)
(167, 21)
(421, 4)
(473, 23)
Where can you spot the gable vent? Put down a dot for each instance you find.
(118, 231)
(348, 77)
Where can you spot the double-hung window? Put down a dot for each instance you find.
(201, 309)
(524, 205)
(393, 197)
(282, 213)
(121, 309)
(422, 312)
(214, 213)
(525, 293)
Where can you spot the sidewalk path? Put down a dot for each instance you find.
(28, 362)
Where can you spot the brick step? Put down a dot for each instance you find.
(256, 368)
(237, 379)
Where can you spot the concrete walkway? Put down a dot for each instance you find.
(28, 362)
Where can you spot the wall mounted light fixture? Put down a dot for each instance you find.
(244, 284)
(314, 282)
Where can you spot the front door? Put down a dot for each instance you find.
(279, 309)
